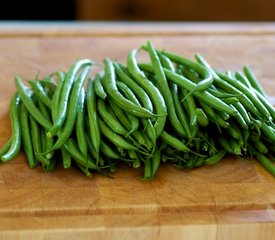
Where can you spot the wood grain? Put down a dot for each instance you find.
(232, 200)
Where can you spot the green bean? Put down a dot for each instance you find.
(224, 115)
(152, 91)
(242, 111)
(201, 117)
(205, 146)
(72, 148)
(137, 90)
(120, 114)
(80, 125)
(258, 104)
(51, 166)
(225, 144)
(66, 158)
(26, 137)
(267, 131)
(253, 81)
(146, 122)
(65, 94)
(229, 88)
(48, 142)
(231, 75)
(155, 162)
(260, 146)
(42, 95)
(5, 148)
(84, 169)
(36, 136)
(130, 95)
(202, 61)
(204, 72)
(25, 96)
(191, 75)
(240, 119)
(134, 156)
(216, 158)
(215, 118)
(233, 130)
(265, 102)
(93, 118)
(164, 89)
(64, 135)
(113, 137)
(44, 110)
(180, 111)
(212, 148)
(202, 85)
(109, 83)
(231, 100)
(173, 141)
(242, 78)
(188, 85)
(266, 163)
(191, 109)
(99, 90)
(15, 129)
(219, 93)
(199, 162)
(109, 119)
(108, 151)
(56, 95)
(235, 146)
(148, 169)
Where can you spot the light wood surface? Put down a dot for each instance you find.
(232, 200)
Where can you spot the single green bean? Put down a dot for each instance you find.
(99, 90)
(15, 129)
(80, 125)
(180, 111)
(56, 96)
(5, 148)
(266, 163)
(108, 151)
(66, 158)
(93, 118)
(26, 137)
(155, 162)
(201, 117)
(37, 136)
(173, 141)
(253, 80)
(216, 158)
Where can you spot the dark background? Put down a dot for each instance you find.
(139, 10)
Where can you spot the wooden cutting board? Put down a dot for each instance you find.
(232, 200)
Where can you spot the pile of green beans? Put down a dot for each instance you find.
(170, 109)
